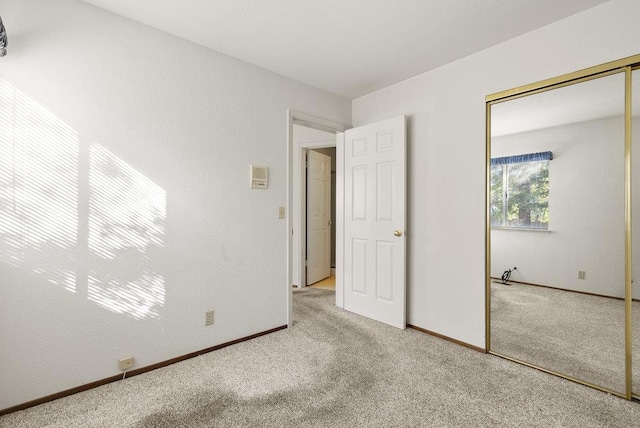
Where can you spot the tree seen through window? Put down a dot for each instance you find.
(520, 194)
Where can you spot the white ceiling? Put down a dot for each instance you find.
(347, 47)
(591, 100)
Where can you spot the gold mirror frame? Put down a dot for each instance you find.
(626, 65)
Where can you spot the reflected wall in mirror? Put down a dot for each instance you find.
(558, 217)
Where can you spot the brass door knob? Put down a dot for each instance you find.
(397, 233)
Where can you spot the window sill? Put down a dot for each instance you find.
(521, 229)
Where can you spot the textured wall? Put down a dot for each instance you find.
(446, 152)
(126, 206)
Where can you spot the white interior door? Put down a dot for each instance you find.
(318, 217)
(374, 221)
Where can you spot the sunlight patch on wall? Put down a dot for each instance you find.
(142, 297)
(75, 215)
(38, 189)
(127, 214)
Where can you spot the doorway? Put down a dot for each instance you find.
(320, 217)
(370, 215)
(313, 211)
(307, 132)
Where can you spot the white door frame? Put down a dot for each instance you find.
(304, 119)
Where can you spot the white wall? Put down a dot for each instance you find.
(446, 152)
(303, 136)
(586, 210)
(176, 127)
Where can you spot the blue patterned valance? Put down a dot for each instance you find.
(529, 157)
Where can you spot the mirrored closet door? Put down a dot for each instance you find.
(556, 230)
(635, 265)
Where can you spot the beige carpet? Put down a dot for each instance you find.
(575, 334)
(337, 369)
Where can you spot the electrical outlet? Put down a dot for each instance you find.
(125, 363)
(208, 318)
(581, 274)
(280, 212)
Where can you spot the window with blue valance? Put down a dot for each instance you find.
(529, 157)
(520, 191)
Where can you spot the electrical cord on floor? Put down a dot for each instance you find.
(506, 275)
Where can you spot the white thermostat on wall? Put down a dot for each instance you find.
(259, 177)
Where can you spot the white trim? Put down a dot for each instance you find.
(323, 125)
(521, 229)
(340, 220)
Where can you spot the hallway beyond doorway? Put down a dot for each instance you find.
(326, 284)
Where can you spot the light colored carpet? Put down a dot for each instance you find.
(337, 369)
(576, 334)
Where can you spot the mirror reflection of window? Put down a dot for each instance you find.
(520, 191)
(561, 222)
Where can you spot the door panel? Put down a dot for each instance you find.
(375, 198)
(359, 280)
(384, 270)
(384, 197)
(318, 217)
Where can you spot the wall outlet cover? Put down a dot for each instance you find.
(208, 318)
(125, 363)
